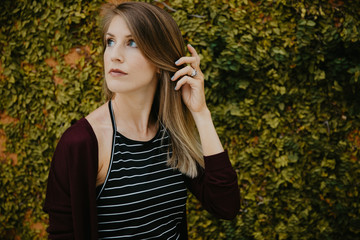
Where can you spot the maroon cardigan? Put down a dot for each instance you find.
(71, 193)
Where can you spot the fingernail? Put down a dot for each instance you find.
(190, 45)
(177, 62)
(172, 78)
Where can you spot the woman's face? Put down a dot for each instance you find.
(126, 68)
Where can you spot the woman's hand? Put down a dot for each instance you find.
(191, 82)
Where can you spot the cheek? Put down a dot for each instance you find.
(145, 66)
(106, 60)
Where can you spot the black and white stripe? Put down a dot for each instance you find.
(142, 198)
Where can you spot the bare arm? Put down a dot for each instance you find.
(209, 138)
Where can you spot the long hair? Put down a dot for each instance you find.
(159, 39)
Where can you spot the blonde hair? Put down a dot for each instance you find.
(159, 39)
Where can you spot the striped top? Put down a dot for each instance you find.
(141, 198)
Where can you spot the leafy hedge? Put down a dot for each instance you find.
(282, 80)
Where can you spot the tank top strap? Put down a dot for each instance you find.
(112, 148)
(112, 117)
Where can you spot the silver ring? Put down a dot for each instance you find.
(194, 73)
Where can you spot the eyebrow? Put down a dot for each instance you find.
(112, 35)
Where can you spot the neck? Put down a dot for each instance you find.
(132, 116)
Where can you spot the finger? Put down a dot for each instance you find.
(184, 71)
(185, 80)
(194, 54)
(192, 50)
(185, 60)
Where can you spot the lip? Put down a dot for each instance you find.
(117, 72)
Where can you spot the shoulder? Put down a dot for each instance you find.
(76, 148)
(99, 117)
(100, 121)
(85, 130)
(78, 134)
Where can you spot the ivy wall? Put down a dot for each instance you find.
(282, 81)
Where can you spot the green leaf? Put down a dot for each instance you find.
(243, 84)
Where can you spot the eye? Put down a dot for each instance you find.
(110, 42)
(132, 43)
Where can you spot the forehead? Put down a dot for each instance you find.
(118, 26)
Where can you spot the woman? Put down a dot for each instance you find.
(123, 171)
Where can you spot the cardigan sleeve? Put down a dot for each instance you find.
(70, 195)
(216, 187)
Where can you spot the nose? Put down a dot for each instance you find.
(118, 53)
